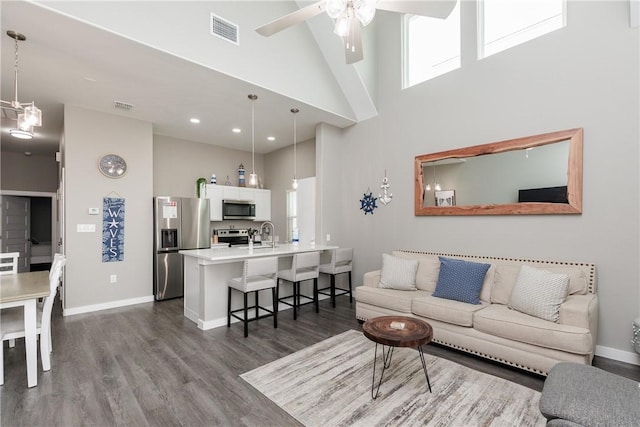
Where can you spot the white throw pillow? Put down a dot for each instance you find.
(539, 293)
(398, 273)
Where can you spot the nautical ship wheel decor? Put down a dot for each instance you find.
(368, 203)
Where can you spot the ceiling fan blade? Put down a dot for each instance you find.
(353, 43)
(433, 8)
(291, 19)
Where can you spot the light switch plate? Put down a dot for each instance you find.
(94, 211)
(86, 228)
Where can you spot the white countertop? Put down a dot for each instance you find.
(238, 253)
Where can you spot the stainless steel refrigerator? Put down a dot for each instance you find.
(178, 223)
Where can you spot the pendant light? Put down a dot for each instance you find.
(253, 178)
(28, 114)
(294, 182)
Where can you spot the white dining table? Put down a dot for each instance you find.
(24, 289)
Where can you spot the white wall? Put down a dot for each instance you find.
(177, 164)
(88, 136)
(585, 75)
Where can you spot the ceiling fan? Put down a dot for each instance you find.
(351, 15)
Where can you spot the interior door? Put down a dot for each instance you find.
(15, 220)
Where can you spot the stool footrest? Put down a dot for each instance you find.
(250, 319)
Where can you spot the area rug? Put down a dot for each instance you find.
(329, 384)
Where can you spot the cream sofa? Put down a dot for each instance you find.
(491, 329)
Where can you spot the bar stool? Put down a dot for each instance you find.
(304, 266)
(340, 263)
(258, 274)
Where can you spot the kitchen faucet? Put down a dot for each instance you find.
(273, 232)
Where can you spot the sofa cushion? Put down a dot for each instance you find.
(460, 280)
(428, 269)
(501, 321)
(450, 311)
(398, 273)
(506, 275)
(391, 299)
(539, 293)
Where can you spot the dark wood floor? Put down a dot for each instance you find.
(148, 365)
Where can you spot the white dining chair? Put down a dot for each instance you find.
(9, 263)
(57, 258)
(258, 274)
(12, 321)
(341, 260)
(304, 266)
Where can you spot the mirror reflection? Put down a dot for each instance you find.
(540, 174)
(499, 178)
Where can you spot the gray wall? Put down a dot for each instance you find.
(88, 136)
(177, 164)
(585, 75)
(279, 172)
(28, 173)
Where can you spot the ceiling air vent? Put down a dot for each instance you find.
(224, 29)
(122, 105)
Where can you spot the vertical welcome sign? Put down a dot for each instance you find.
(112, 229)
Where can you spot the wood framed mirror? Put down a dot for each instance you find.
(534, 175)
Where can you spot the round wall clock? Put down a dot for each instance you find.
(112, 166)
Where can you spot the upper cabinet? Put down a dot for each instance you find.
(217, 193)
(262, 200)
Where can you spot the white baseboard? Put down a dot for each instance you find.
(619, 355)
(106, 305)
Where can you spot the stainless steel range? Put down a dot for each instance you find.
(234, 236)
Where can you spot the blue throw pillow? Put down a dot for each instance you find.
(460, 280)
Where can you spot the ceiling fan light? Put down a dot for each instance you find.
(335, 7)
(343, 25)
(21, 134)
(366, 12)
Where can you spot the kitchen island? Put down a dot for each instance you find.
(206, 272)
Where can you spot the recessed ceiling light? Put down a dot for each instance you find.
(194, 120)
(271, 138)
(236, 130)
(90, 79)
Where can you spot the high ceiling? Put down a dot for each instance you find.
(66, 61)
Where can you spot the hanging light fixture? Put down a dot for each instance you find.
(294, 182)
(28, 114)
(253, 178)
(436, 186)
(345, 11)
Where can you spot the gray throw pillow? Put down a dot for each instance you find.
(398, 273)
(539, 293)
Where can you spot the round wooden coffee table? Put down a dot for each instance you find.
(396, 331)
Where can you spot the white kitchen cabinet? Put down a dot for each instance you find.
(231, 193)
(215, 194)
(262, 199)
(246, 194)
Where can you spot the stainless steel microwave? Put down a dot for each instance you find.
(238, 209)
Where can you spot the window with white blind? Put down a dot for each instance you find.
(292, 216)
(503, 24)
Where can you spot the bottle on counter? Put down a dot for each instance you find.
(296, 236)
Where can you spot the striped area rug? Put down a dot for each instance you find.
(329, 384)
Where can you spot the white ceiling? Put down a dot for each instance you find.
(65, 61)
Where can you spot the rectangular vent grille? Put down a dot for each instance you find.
(224, 29)
(122, 105)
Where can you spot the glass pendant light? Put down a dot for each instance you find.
(253, 178)
(294, 182)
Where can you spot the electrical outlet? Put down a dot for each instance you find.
(328, 237)
(113, 278)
